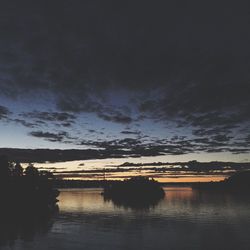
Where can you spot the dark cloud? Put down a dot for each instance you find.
(104, 111)
(80, 50)
(63, 117)
(222, 138)
(239, 150)
(37, 119)
(213, 131)
(215, 119)
(139, 147)
(25, 123)
(4, 112)
(53, 137)
(116, 117)
(129, 132)
(66, 124)
(195, 166)
(247, 139)
(170, 62)
(56, 155)
(51, 155)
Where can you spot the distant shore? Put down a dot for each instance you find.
(239, 181)
(99, 184)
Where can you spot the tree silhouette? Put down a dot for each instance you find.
(31, 171)
(17, 170)
(28, 190)
(5, 170)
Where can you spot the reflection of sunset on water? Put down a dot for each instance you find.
(72, 199)
(179, 193)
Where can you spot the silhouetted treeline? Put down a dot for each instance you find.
(60, 183)
(28, 200)
(238, 183)
(27, 188)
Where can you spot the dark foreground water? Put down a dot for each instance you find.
(185, 219)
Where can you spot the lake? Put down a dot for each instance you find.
(184, 219)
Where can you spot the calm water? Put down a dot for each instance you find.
(183, 220)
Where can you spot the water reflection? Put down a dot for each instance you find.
(139, 204)
(24, 225)
(184, 219)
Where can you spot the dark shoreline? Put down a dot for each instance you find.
(237, 183)
(63, 184)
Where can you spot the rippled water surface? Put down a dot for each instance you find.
(184, 219)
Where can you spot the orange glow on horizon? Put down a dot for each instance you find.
(188, 179)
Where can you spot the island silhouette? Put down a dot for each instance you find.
(137, 192)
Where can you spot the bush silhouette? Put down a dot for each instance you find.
(28, 190)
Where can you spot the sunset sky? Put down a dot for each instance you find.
(169, 80)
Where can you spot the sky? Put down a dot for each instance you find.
(168, 79)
